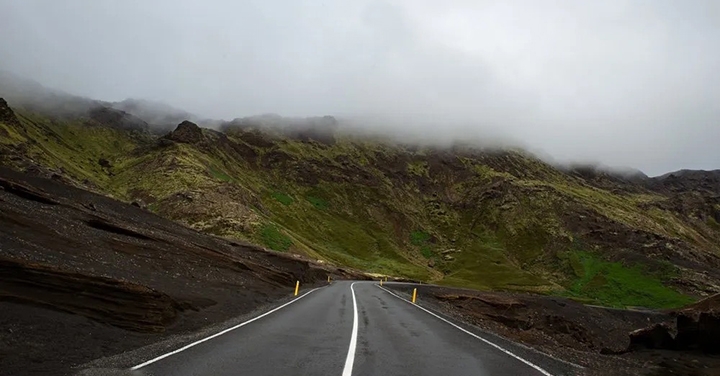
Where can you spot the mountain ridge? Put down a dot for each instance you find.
(464, 216)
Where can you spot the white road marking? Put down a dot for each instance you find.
(223, 332)
(537, 368)
(350, 360)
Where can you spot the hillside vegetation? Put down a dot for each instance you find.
(461, 216)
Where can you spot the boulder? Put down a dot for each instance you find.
(695, 328)
(658, 336)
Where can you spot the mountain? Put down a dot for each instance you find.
(462, 216)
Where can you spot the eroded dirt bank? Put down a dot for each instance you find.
(83, 276)
(602, 340)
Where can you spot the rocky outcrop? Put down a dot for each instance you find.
(696, 327)
(186, 132)
(7, 115)
(658, 336)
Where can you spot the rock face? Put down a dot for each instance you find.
(119, 303)
(6, 114)
(186, 132)
(696, 327)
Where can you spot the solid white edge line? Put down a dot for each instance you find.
(219, 333)
(350, 360)
(508, 352)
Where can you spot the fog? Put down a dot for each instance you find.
(620, 82)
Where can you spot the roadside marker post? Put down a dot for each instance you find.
(297, 287)
(328, 278)
(381, 281)
(414, 295)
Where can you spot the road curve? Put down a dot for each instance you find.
(314, 336)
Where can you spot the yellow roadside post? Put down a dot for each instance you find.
(328, 278)
(297, 288)
(381, 281)
(414, 295)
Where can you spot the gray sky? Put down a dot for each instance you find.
(622, 82)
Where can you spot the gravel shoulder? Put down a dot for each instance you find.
(590, 340)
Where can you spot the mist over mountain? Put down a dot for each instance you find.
(160, 118)
(623, 83)
(25, 92)
(152, 116)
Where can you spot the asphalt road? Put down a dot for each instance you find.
(327, 332)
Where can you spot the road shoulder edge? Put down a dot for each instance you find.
(458, 324)
(137, 358)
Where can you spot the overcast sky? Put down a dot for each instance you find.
(624, 82)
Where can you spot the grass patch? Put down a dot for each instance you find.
(483, 265)
(616, 285)
(713, 224)
(219, 175)
(154, 207)
(273, 238)
(419, 237)
(282, 198)
(318, 202)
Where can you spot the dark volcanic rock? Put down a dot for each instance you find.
(118, 303)
(104, 163)
(6, 114)
(186, 132)
(696, 327)
(658, 336)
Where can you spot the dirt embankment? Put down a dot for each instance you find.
(605, 341)
(83, 276)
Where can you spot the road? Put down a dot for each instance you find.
(343, 329)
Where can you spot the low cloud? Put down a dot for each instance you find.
(624, 83)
